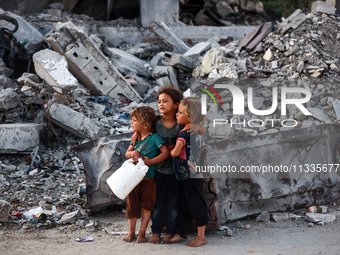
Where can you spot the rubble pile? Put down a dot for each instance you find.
(310, 50)
(83, 86)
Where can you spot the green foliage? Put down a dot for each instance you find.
(283, 8)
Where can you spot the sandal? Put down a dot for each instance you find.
(84, 239)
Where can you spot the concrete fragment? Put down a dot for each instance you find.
(320, 217)
(70, 217)
(53, 68)
(179, 61)
(336, 106)
(8, 99)
(278, 217)
(263, 217)
(169, 36)
(293, 21)
(158, 11)
(220, 131)
(127, 63)
(19, 137)
(73, 121)
(279, 45)
(229, 232)
(268, 55)
(88, 64)
(196, 51)
(319, 114)
(223, 9)
(4, 210)
(33, 77)
(324, 7)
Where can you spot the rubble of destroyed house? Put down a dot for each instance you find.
(81, 82)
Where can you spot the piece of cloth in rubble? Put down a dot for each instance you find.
(211, 60)
(253, 40)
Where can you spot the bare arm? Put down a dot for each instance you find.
(196, 128)
(130, 153)
(161, 157)
(177, 149)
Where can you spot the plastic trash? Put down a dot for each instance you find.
(124, 116)
(29, 215)
(126, 178)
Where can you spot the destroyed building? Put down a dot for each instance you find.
(71, 81)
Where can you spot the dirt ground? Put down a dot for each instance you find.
(292, 236)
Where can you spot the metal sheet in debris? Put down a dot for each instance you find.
(101, 158)
(247, 193)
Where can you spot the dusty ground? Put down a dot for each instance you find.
(289, 237)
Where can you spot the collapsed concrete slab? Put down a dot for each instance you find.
(255, 182)
(19, 137)
(293, 21)
(117, 35)
(52, 67)
(168, 36)
(73, 121)
(88, 64)
(127, 63)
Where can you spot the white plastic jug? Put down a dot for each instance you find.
(126, 178)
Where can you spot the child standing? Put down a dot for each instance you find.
(192, 204)
(167, 187)
(150, 147)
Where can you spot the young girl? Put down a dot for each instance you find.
(167, 187)
(150, 147)
(185, 155)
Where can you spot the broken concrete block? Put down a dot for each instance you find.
(33, 77)
(278, 217)
(293, 21)
(162, 30)
(336, 106)
(88, 64)
(324, 7)
(268, 55)
(141, 50)
(179, 61)
(73, 121)
(163, 80)
(320, 217)
(319, 114)
(160, 71)
(19, 137)
(53, 68)
(263, 217)
(127, 63)
(158, 11)
(70, 217)
(224, 9)
(4, 80)
(195, 51)
(8, 99)
(4, 210)
(157, 59)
